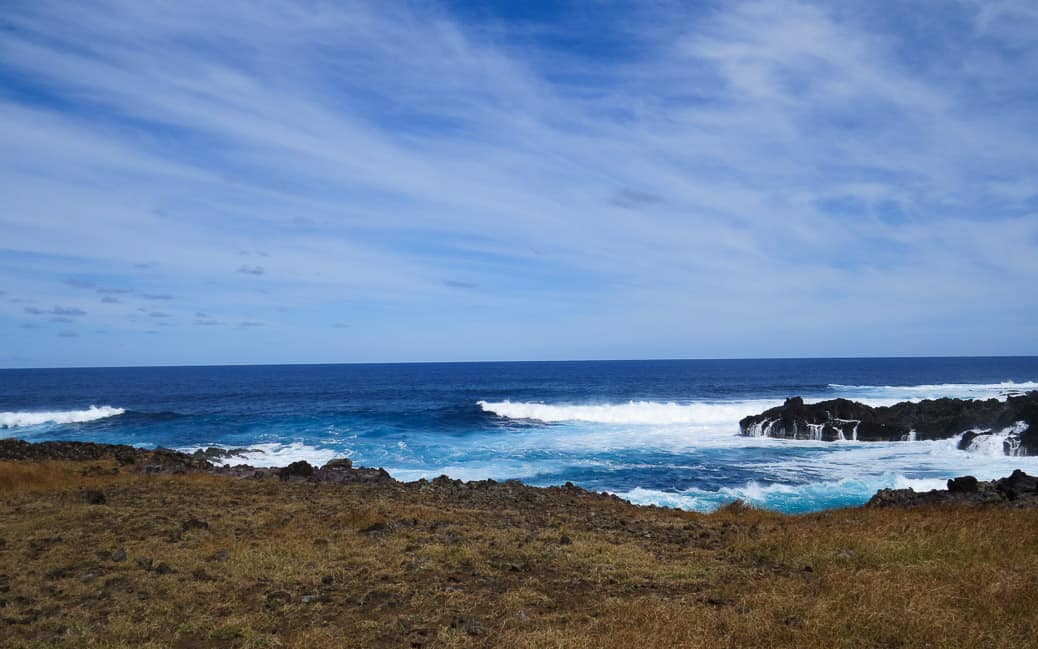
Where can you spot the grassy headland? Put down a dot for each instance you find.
(97, 555)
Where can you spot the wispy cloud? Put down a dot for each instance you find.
(851, 178)
(56, 311)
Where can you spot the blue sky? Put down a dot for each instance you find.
(264, 182)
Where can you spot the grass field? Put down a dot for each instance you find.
(94, 558)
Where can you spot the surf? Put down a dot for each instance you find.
(22, 419)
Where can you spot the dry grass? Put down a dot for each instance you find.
(36, 476)
(304, 565)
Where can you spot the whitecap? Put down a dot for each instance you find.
(19, 419)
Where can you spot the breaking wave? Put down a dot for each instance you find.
(633, 412)
(19, 419)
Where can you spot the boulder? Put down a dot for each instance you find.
(296, 471)
(965, 484)
(338, 464)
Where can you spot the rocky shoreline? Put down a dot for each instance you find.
(167, 461)
(1016, 490)
(1014, 421)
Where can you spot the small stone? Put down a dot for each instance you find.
(219, 555)
(164, 568)
(194, 524)
(119, 555)
(145, 562)
(94, 497)
(468, 625)
(88, 577)
(201, 575)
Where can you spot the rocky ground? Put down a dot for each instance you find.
(113, 546)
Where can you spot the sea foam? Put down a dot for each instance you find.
(19, 419)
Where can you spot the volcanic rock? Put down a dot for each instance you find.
(1017, 490)
(1015, 420)
(296, 470)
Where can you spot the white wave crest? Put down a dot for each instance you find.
(19, 419)
(725, 414)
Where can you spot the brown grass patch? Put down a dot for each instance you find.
(305, 565)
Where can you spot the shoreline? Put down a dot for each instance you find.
(1017, 490)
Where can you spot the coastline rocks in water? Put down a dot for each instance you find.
(1010, 425)
(339, 470)
(217, 453)
(165, 461)
(1017, 490)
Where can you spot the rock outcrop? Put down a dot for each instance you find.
(1013, 423)
(160, 460)
(1017, 490)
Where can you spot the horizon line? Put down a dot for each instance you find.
(502, 361)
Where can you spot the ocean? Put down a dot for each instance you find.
(661, 432)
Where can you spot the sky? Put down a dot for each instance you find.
(276, 181)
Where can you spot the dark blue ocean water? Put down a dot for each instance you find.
(653, 431)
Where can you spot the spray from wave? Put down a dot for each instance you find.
(19, 419)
